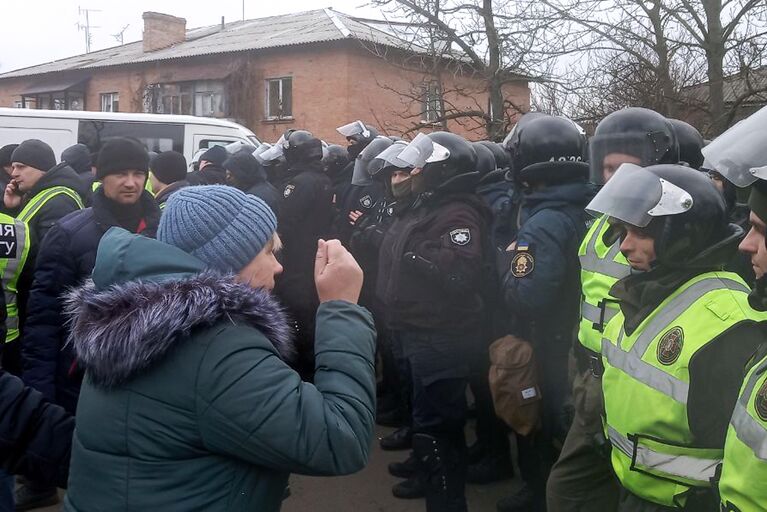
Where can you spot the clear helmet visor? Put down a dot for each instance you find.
(635, 196)
(608, 152)
(389, 157)
(740, 153)
(354, 128)
(272, 153)
(238, 145)
(422, 150)
(360, 176)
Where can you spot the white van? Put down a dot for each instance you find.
(159, 132)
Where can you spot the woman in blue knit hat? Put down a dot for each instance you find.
(189, 401)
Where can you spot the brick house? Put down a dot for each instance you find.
(317, 70)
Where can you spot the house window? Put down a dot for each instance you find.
(110, 102)
(431, 109)
(202, 98)
(279, 98)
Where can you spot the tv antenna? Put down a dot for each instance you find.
(120, 34)
(86, 27)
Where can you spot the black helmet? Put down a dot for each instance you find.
(300, 146)
(362, 176)
(638, 132)
(509, 143)
(500, 154)
(485, 159)
(679, 206)
(691, 143)
(335, 159)
(359, 135)
(549, 149)
(446, 161)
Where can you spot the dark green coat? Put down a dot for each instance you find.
(188, 403)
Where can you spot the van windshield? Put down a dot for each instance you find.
(156, 137)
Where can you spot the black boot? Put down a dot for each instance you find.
(410, 489)
(400, 439)
(443, 466)
(404, 469)
(493, 467)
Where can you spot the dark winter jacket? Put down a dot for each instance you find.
(542, 283)
(65, 260)
(188, 403)
(363, 199)
(434, 262)
(211, 174)
(504, 201)
(35, 436)
(266, 191)
(162, 197)
(58, 207)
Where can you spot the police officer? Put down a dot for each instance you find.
(15, 245)
(673, 355)
(355, 200)
(582, 476)
(305, 215)
(541, 285)
(335, 163)
(431, 281)
(690, 142)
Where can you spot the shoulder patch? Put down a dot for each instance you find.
(670, 346)
(366, 201)
(461, 236)
(760, 402)
(523, 263)
(390, 211)
(288, 190)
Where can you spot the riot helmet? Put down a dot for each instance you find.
(301, 147)
(500, 154)
(359, 135)
(632, 135)
(691, 143)
(383, 166)
(678, 206)
(335, 160)
(238, 145)
(441, 160)
(361, 176)
(485, 159)
(739, 153)
(549, 149)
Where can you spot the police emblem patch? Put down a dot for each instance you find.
(460, 236)
(522, 264)
(366, 201)
(670, 346)
(390, 211)
(760, 402)
(288, 190)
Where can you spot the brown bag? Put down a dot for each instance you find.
(514, 384)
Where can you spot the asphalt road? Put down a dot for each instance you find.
(370, 489)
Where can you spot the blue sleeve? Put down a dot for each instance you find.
(533, 282)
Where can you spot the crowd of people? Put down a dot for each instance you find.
(181, 340)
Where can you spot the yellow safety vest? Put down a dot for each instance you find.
(646, 382)
(42, 197)
(743, 482)
(601, 267)
(14, 249)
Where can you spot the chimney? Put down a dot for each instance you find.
(162, 31)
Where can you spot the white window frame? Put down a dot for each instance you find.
(108, 101)
(281, 80)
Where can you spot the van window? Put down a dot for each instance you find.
(155, 136)
(209, 143)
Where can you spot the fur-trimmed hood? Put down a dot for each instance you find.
(126, 328)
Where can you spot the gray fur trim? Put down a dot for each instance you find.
(118, 332)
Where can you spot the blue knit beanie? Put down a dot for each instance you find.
(221, 226)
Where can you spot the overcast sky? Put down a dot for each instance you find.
(37, 31)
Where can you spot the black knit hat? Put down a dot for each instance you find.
(121, 154)
(78, 157)
(245, 168)
(169, 167)
(35, 153)
(5, 154)
(215, 155)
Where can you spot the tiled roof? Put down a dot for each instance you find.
(308, 27)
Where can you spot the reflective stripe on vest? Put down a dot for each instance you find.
(10, 272)
(744, 469)
(591, 262)
(646, 383)
(631, 362)
(597, 315)
(39, 200)
(694, 467)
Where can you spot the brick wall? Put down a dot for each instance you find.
(332, 85)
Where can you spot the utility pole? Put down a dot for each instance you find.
(243, 10)
(86, 27)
